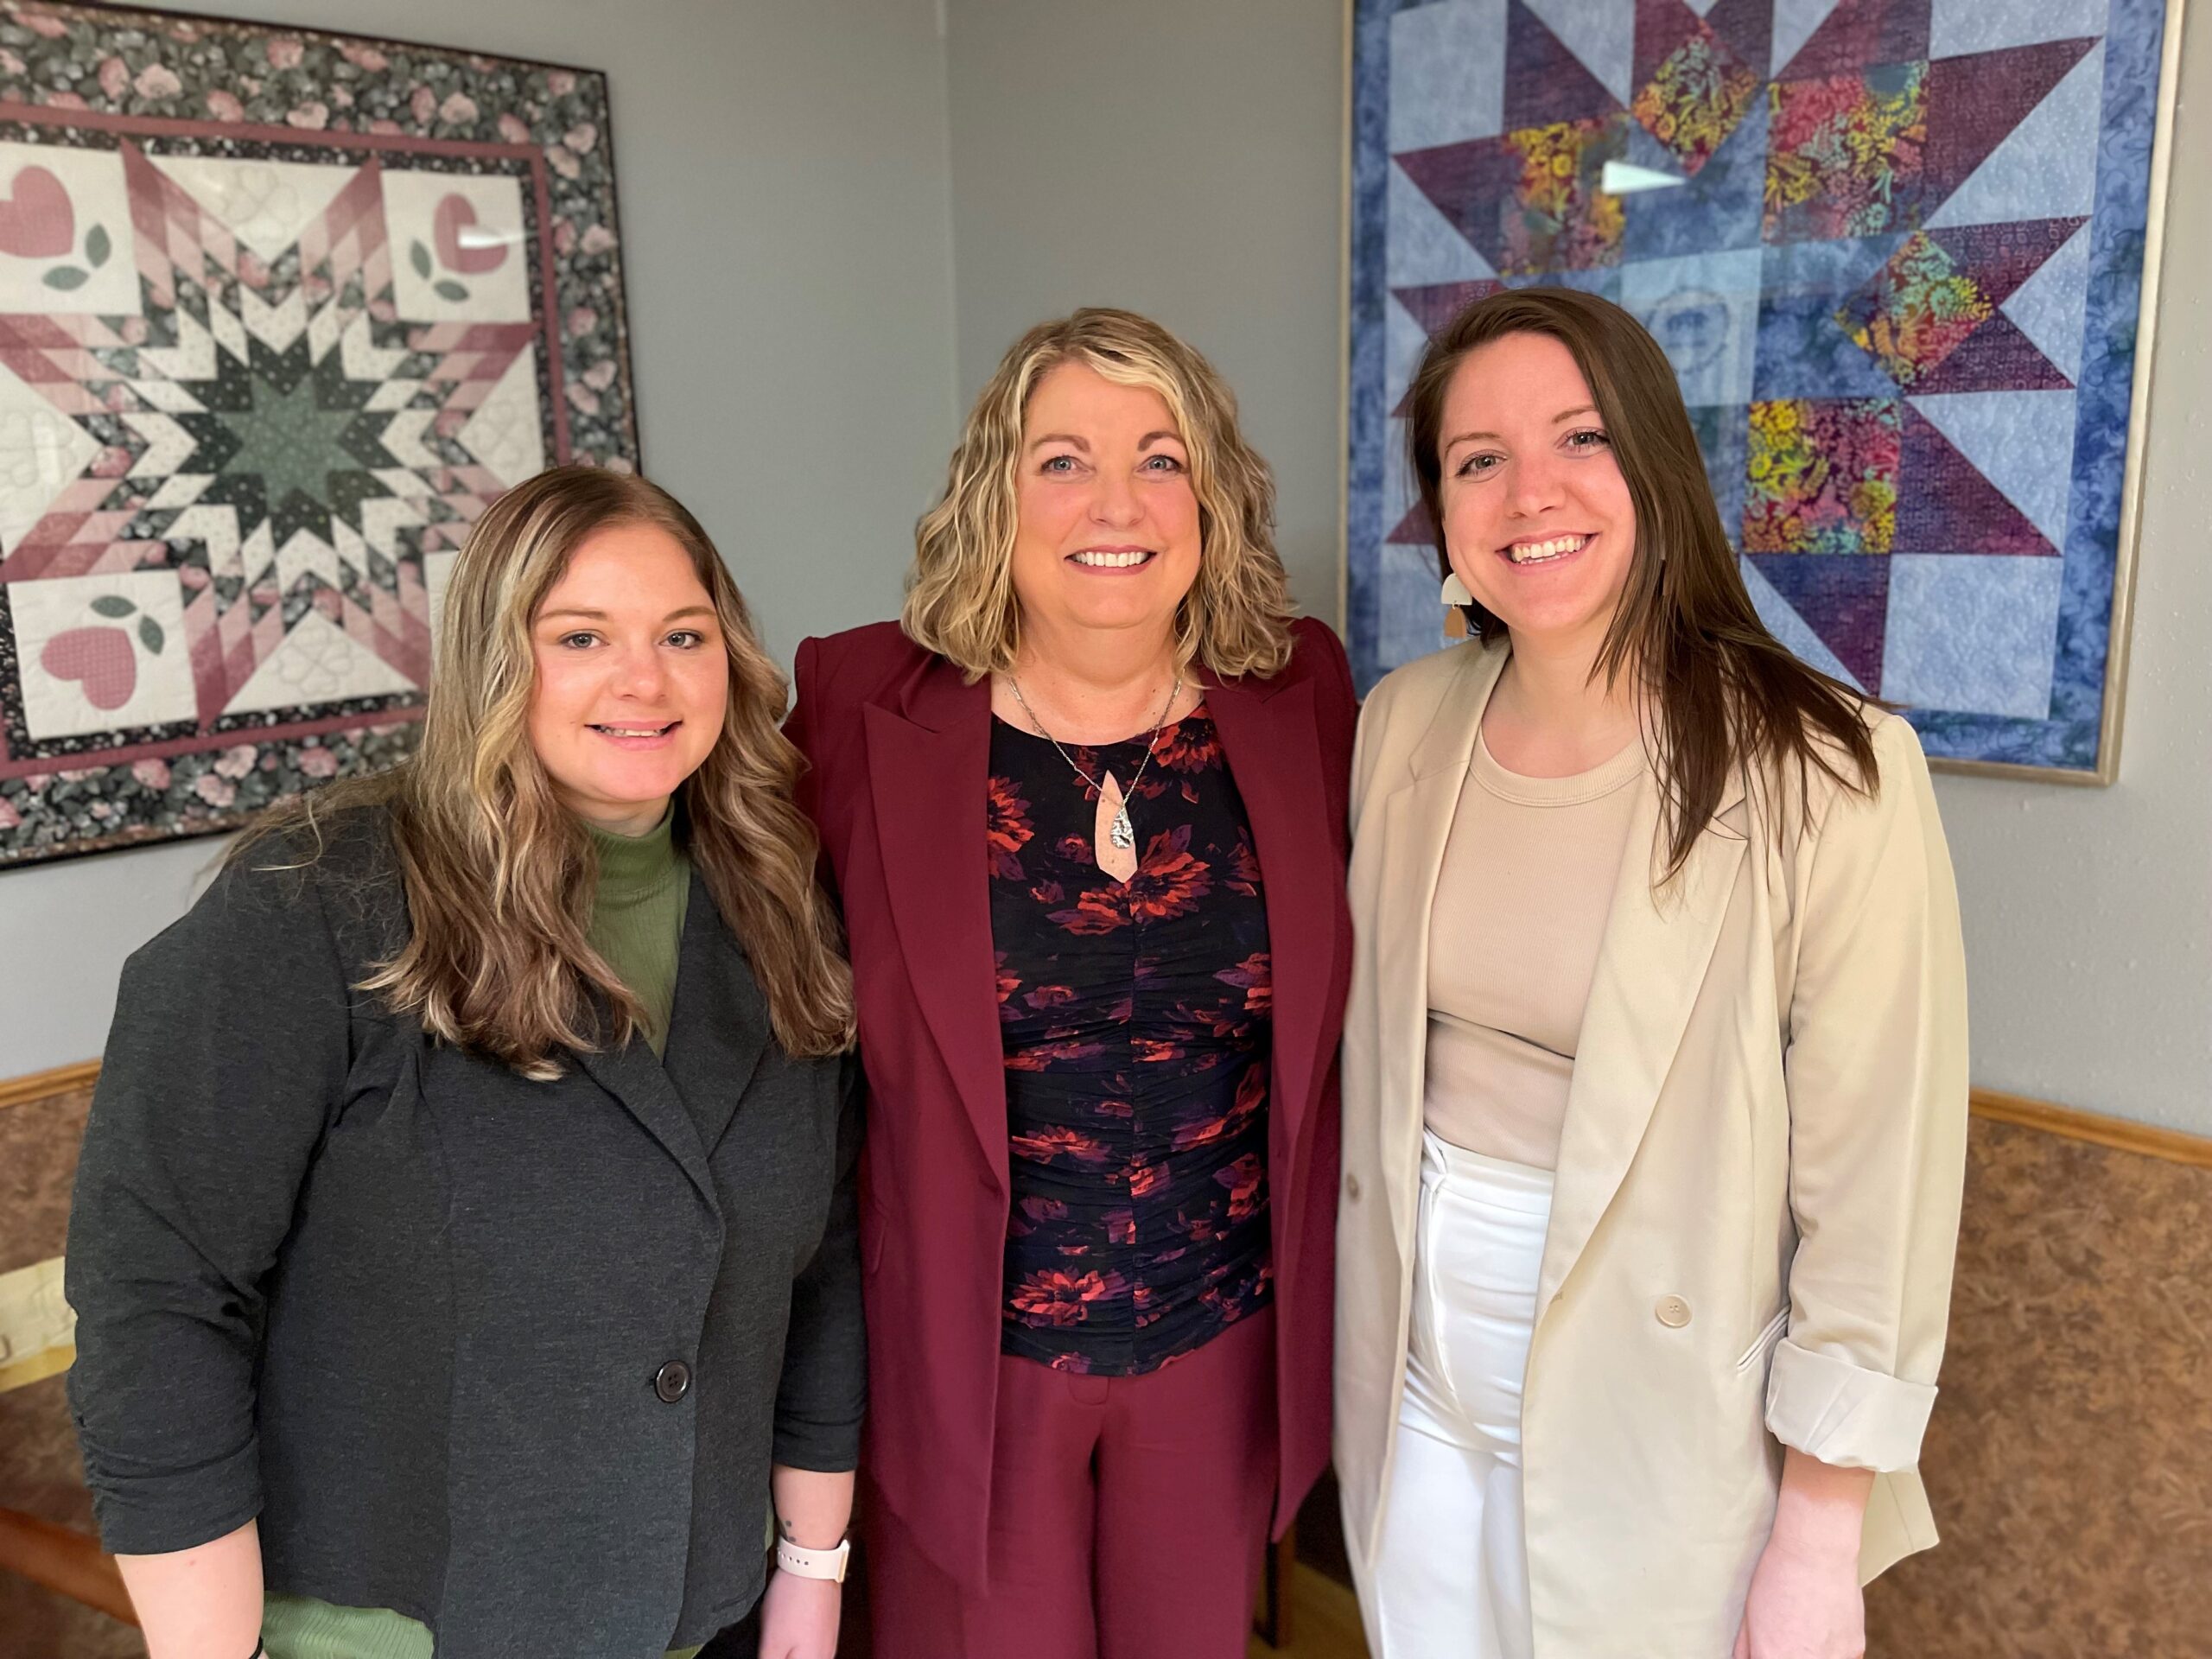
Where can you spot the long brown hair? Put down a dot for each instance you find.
(499, 874)
(1724, 693)
(960, 601)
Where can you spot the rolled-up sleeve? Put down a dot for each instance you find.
(228, 1050)
(824, 1391)
(1876, 1070)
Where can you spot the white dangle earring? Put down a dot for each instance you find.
(1455, 595)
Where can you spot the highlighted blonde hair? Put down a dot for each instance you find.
(960, 598)
(499, 874)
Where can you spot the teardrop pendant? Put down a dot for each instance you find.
(1124, 833)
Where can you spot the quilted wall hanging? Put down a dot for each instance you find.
(1897, 252)
(280, 312)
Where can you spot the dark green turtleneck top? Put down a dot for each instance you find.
(637, 917)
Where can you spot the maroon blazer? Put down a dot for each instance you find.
(899, 747)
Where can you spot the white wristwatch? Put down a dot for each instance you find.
(813, 1563)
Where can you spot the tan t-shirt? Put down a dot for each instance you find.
(1514, 929)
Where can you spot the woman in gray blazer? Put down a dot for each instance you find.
(464, 1247)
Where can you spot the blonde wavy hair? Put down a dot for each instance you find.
(499, 874)
(960, 597)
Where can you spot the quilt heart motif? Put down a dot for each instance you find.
(36, 221)
(101, 659)
(455, 214)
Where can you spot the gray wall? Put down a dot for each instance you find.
(1183, 158)
(784, 172)
(784, 188)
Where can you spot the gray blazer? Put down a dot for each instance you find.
(510, 1358)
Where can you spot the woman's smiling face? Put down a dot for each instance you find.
(632, 677)
(1537, 518)
(1107, 533)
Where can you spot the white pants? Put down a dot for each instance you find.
(1451, 1571)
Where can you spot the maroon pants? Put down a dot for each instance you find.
(1128, 1517)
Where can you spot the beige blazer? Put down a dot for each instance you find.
(1757, 1196)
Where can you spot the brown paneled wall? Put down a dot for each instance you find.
(2071, 1456)
(2069, 1459)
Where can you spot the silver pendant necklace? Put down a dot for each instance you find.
(1124, 833)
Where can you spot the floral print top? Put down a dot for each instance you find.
(1136, 1024)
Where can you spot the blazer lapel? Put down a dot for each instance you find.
(1651, 965)
(929, 773)
(1414, 823)
(720, 1027)
(1273, 751)
(634, 1076)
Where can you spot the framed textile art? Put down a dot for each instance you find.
(280, 312)
(1898, 252)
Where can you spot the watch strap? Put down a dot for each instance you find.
(813, 1563)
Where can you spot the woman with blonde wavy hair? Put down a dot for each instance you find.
(465, 1250)
(1085, 805)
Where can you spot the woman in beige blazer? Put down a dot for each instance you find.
(1654, 1071)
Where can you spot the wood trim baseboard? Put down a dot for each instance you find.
(2120, 1133)
(17, 1091)
(36, 1367)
